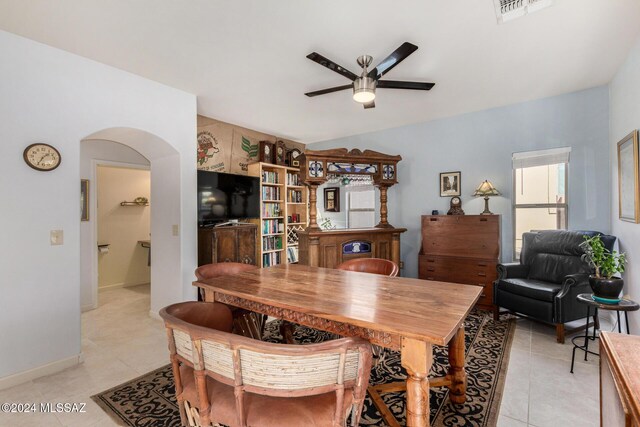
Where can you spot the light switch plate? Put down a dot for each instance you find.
(56, 237)
(175, 229)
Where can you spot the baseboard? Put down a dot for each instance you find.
(88, 307)
(40, 371)
(122, 285)
(154, 315)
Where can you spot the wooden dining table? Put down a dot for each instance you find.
(407, 315)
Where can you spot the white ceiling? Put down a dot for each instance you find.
(245, 59)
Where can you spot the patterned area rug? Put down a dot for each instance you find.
(149, 400)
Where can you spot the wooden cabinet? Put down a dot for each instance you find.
(619, 380)
(330, 248)
(235, 243)
(461, 249)
(283, 212)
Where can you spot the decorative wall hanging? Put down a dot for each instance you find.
(628, 192)
(332, 199)
(84, 200)
(450, 184)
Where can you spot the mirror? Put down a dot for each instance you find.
(347, 204)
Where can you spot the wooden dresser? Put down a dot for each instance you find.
(619, 380)
(235, 243)
(461, 249)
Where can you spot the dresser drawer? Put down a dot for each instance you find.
(475, 236)
(458, 270)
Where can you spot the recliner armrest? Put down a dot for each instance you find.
(513, 270)
(571, 281)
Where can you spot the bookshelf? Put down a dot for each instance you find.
(283, 212)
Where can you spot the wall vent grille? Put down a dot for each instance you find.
(506, 10)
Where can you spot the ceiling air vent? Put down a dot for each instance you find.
(506, 10)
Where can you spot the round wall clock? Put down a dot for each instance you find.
(42, 157)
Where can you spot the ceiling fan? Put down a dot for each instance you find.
(364, 86)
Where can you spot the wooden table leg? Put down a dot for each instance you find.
(417, 357)
(457, 373)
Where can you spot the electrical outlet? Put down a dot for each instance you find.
(401, 264)
(175, 230)
(56, 237)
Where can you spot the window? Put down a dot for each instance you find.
(540, 192)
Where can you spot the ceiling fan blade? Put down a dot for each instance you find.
(371, 104)
(392, 60)
(396, 84)
(329, 90)
(316, 57)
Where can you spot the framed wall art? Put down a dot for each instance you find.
(84, 200)
(450, 184)
(332, 199)
(628, 191)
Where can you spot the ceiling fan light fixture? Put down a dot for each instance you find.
(364, 89)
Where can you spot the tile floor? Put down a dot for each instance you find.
(120, 342)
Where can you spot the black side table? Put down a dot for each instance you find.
(624, 305)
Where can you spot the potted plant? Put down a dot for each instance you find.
(605, 263)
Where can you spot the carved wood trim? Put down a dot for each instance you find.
(348, 155)
(381, 338)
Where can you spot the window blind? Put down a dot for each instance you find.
(528, 159)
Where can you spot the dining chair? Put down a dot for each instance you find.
(383, 267)
(245, 322)
(371, 265)
(177, 319)
(243, 382)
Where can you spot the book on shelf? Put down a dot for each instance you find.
(270, 194)
(293, 179)
(292, 254)
(270, 243)
(270, 177)
(270, 210)
(271, 258)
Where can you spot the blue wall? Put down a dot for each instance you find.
(480, 146)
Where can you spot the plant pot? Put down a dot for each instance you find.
(606, 288)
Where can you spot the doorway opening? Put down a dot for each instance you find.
(123, 225)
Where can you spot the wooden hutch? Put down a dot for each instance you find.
(328, 248)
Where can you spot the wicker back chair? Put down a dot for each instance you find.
(241, 382)
(245, 322)
(371, 265)
(178, 319)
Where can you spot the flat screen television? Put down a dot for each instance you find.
(223, 197)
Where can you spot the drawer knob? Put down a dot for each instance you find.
(482, 274)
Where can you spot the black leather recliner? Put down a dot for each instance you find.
(549, 276)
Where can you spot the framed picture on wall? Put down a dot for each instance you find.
(450, 184)
(84, 200)
(332, 199)
(628, 191)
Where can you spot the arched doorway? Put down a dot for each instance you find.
(172, 253)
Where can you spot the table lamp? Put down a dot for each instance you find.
(486, 189)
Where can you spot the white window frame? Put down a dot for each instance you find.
(540, 158)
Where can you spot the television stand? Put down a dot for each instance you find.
(228, 223)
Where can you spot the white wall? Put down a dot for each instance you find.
(53, 96)
(125, 262)
(480, 145)
(624, 93)
(91, 153)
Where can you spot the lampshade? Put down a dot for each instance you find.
(486, 189)
(364, 90)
